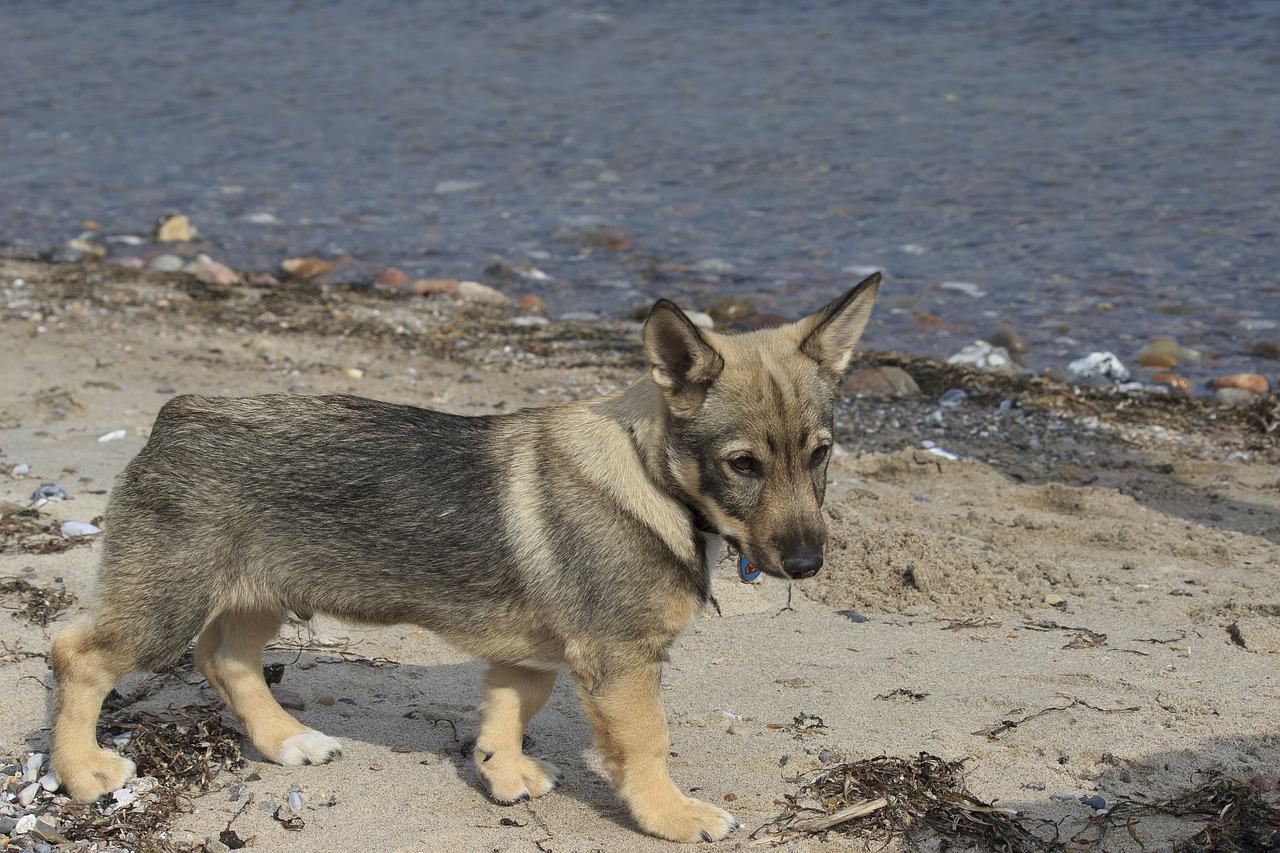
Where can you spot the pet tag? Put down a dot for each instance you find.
(746, 571)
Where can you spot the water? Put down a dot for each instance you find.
(1102, 172)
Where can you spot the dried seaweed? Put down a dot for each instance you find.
(184, 749)
(39, 605)
(992, 733)
(879, 799)
(25, 531)
(1237, 818)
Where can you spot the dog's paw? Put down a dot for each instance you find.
(101, 772)
(309, 747)
(512, 777)
(688, 821)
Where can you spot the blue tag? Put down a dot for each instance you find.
(745, 570)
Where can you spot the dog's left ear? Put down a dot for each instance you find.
(829, 336)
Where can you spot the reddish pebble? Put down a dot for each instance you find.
(390, 279)
(1179, 385)
(531, 303)
(1251, 382)
(1157, 360)
(431, 287)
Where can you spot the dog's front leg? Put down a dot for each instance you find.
(631, 735)
(512, 695)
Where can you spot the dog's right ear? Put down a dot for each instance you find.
(681, 362)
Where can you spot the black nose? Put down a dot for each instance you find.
(802, 564)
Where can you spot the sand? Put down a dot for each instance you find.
(1124, 572)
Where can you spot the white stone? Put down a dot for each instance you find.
(72, 529)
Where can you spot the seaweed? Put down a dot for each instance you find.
(39, 605)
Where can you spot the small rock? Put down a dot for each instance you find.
(531, 303)
(1166, 352)
(985, 357)
(1265, 349)
(131, 262)
(1008, 339)
(1251, 382)
(263, 279)
(1094, 802)
(953, 397)
(114, 435)
(93, 251)
(854, 616)
(174, 228)
(354, 372)
(297, 800)
(474, 291)
(1036, 785)
(1235, 396)
(208, 271)
(731, 309)
(1063, 798)
(432, 287)
(7, 825)
(74, 529)
(390, 279)
(166, 263)
(885, 381)
(304, 269)
(1179, 385)
(28, 794)
(289, 699)
(49, 492)
(1098, 367)
(1055, 600)
(25, 824)
(62, 254)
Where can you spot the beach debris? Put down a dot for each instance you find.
(992, 733)
(49, 492)
(38, 605)
(986, 357)
(803, 724)
(73, 529)
(876, 800)
(1236, 817)
(1099, 368)
(173, 228)
(902, 694)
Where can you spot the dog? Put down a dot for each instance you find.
(574, 536)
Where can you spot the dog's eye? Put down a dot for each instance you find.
(819, 456)
(745, 464)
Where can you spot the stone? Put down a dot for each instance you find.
(304, 269)
(131, 262)
(62, 254)
(985, 357)
(289, 699)
(1008, 339)
(886, 381)
(1098, 367)
(166, 263)
(1250, 382)
(1265, 349)
(92, 251)
(208, 271)
(1166, 352)
(390, 279)
(432, 287)
(731, 309)
(474, 291)
(966, 287)
(531, 303)
(1179, 385)
(173, 228)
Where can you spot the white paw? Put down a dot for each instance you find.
(309, 747)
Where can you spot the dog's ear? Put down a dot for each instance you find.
(681, 362)
(829, 336)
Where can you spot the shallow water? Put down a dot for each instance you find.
(1101, 172)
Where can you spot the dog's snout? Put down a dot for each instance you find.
(802, 564)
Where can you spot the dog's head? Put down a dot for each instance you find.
(750, 426)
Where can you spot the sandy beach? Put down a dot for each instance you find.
(1084, 603)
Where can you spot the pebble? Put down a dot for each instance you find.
(965, 287)
(62, 254)
(92, 251)
(290, 699)
(25, 824)
(531, 303)
(173, 228)
(208, 271)
(28, 794)
(304, 269)
(887, 381)
(985, 357)
(390, 279)
(1265, 349)
(731, 309)
(1167, 348)
(1008, 339)
(131, 262)
(1098, 367)
(73, 529)
(1179, 385)
(49, 492)
(1037, 785)
(1157, 361)
(854, 616)
(1055, 600)
(1063, 798)
(953, 397)
(1094, 802)
(114, 435)
(167, 263)
(1251, 382)
(297, 800)
(474, 291)
(1235, 396)
(431, 286)
(20, 469)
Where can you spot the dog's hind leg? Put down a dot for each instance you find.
(86, 665)
(512, 695)
(631, 734)
(229, 654)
